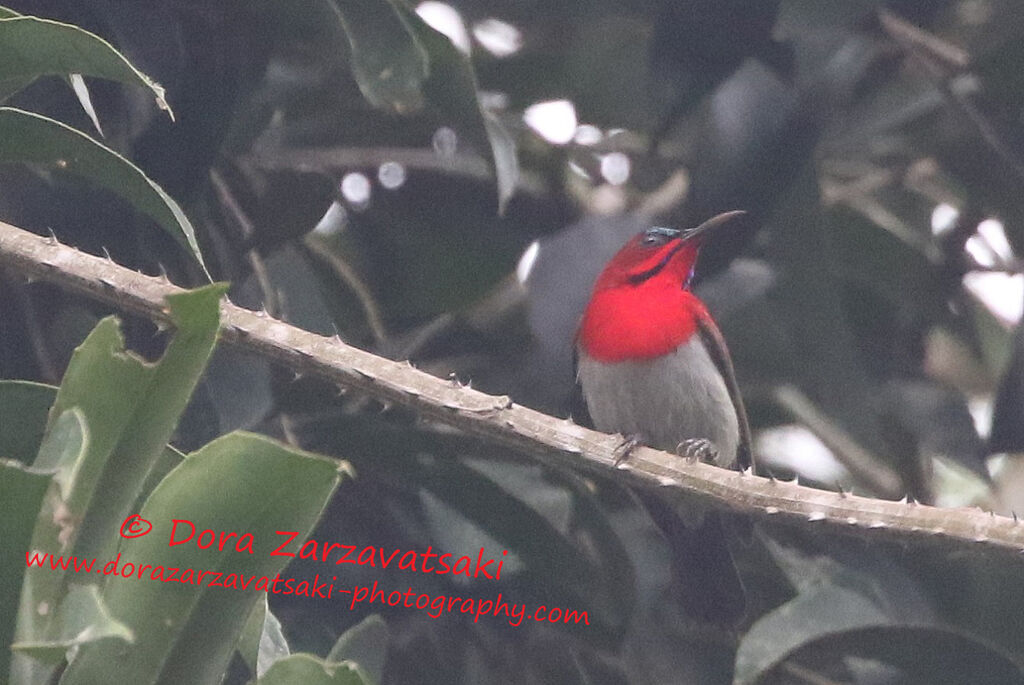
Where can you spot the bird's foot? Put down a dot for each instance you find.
(698, 449)
(626, 447)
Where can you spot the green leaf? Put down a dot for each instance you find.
(109, 425)
(131, 408)
(366, 644)
(31, 138)
(185, 633)
(21, 490)
(24, 407)
(41, 618)
(262, 641)
(82, 618)
(34, 47)
(306, 669)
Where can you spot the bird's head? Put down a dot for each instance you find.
(642, 306)
(660, 253)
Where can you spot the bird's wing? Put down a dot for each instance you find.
(578, 409)
(715, 345)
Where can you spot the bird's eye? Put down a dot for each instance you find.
(658, 236)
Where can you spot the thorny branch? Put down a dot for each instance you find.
(497, 419)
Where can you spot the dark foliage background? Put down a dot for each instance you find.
(871, 298)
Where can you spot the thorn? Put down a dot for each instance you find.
(52, 238)
(1015, 519)
(385, 406)
(469, 384)
(163, 272)
(342, 390)
(841, 490)
(453, 378)
(106, 253)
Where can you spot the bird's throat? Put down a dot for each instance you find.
(639, 322)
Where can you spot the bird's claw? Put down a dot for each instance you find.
(625, 448)
(697, 449)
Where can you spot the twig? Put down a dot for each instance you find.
(497, 420)
(343, 270)
(930, 52)
(245, 225)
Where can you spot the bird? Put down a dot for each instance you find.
(652, 365)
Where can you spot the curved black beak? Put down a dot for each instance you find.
(711, 224)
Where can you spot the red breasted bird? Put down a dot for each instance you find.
(653, 366)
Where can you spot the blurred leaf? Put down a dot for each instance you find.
(21, 490)
(185, 633)
(365, 644)
(819, 612)
(24, 407)
(452, 89)
(835, 596)
(402, 64)
(875, 258)
(921, 654)
(31, 138)
(34, 47)
(82, 618)
(306, 669)
(389, 64)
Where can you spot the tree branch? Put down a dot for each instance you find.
(497, 419)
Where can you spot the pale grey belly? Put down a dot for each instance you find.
(663, 401)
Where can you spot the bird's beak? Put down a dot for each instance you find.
(711, 224)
